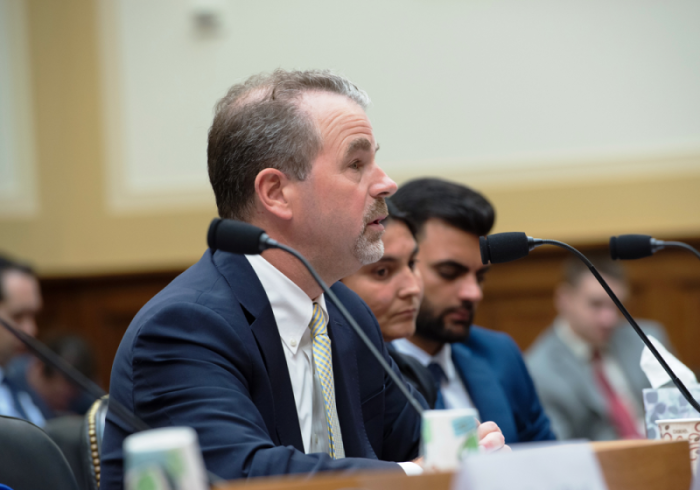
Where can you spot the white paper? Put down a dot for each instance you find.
(656, 374)
(565, 466)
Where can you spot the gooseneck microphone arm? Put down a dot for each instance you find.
(512, 246)
(243, 238)
(52, 359)
(684, 246)
(679, 384)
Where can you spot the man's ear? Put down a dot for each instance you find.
(272, 190)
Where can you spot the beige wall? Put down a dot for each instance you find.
(74, 232)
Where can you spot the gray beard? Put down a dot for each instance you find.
(368, 251)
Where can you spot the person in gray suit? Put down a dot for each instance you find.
(586, 364)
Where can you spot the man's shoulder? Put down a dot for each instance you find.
(546, 343)
(485, 340)
(625, 339)
(203, 290)
(497, 349)
(649, 327)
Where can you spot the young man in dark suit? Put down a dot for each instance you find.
(246, 349)
(472, 366)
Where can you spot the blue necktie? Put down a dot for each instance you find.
(438, 375)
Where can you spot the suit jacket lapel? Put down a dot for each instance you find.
(485, 391)
(252, 297)
(347, 393)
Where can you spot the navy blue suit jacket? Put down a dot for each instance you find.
(206, 353)
(494, 373)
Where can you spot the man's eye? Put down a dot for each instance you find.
(448, 273)
(356, 165)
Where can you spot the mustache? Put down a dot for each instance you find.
(466, 305)
(376, 211)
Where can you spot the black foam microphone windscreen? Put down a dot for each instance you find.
(504, 247)
(234, 236)
(629, 247)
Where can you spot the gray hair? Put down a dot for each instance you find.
(259, 124)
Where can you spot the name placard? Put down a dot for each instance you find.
(567, 466)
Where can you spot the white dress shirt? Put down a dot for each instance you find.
(8, 407)
(583, 351)
(454, 393)
(293, 311)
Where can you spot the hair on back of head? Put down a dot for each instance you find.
(395, 214)
(260, 124)
(455, 204)
(574, 269)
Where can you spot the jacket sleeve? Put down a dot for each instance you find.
(201, 375)
(532, 422)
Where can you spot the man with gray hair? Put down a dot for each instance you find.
(246, 349)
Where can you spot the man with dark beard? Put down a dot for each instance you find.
(472, 366)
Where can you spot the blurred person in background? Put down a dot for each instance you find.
(20, 301)
(51, 392)
(586, 364)
(393, 289)
(472, 366)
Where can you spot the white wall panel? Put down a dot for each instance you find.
(18, 194)
(458, 86)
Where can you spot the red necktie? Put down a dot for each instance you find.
(620, 416)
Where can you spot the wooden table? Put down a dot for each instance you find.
(626, 465)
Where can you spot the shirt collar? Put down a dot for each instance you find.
(443, 357)
(291, 306)
(579, 347)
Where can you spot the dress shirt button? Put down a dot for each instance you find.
(315, 439)
(293, 343)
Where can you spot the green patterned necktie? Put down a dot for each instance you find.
(323, 363)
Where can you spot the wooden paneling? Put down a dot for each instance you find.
(98, 308)
(518, 300)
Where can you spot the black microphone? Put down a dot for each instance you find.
(223, 236)
(237, 237)
(630, 247)
(504, 247)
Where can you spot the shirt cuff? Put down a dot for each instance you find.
(411, 469)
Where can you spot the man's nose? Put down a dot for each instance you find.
(470, 289)
(382, 186)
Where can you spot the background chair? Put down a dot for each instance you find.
(30, 460)
(67, 433)
(93, 429)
